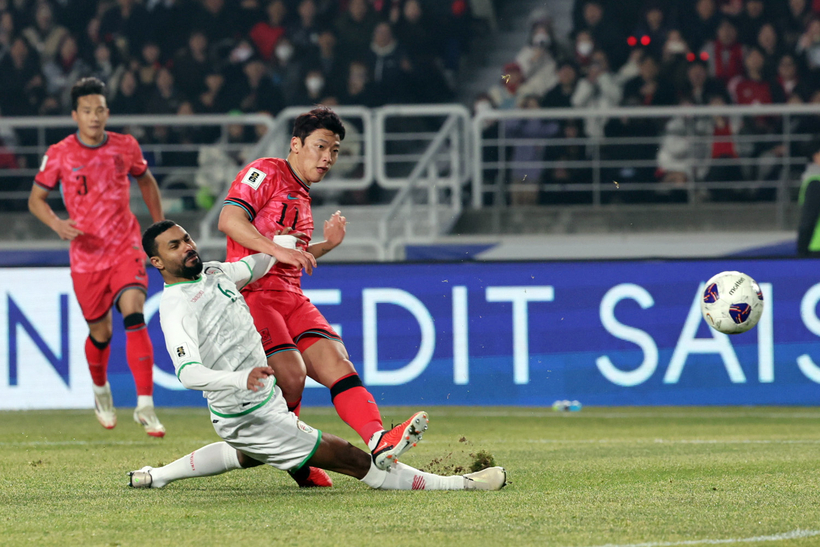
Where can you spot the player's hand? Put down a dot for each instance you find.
(302, 236)
(294, 257)
(256, 377)
(335, 229)
(65, 229)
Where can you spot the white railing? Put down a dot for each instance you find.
(683, 137)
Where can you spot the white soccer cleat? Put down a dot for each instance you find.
(492, 478)
(397, 441)
(146, 417)
(104, 406)
(141, 478)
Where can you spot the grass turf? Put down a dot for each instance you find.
(602, 476)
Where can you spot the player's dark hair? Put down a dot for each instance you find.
(319, 118)
(149, 237)
(86, 86)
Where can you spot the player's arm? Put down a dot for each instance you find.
(40, 208)
(179, 327)
(254, 267)
(233, 222)
(334, 232)
(150, 194)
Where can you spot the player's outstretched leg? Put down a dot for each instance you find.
(214, 459)
(387, 446)
(335, 454)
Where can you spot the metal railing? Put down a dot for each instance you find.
(682, 154)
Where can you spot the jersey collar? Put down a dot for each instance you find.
(104, 141)
(197, 280)
(292, 172)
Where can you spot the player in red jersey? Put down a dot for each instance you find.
(107, 261)
(271, 195)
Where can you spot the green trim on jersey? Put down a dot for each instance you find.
(312, 452)
(814, 242)
(201, 277)
(251, 409)
(185, 365)
(250, 278)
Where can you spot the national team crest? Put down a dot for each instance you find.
(119, 163)
(303, 426)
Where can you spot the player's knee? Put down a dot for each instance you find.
(133, 321)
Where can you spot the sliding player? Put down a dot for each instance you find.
(216, 348)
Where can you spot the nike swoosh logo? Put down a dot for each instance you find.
(292, 197)
(138, 278)
(77, 168)
(382, 445)
(245, 404)
(374, 402)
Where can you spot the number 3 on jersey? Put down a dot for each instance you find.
(285, 218)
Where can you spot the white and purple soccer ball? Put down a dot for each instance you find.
(732, 302)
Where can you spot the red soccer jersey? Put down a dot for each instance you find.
(273, 197)
(96, 192)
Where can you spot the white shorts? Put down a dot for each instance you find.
(270, 434)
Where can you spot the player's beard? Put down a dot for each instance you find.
(192, 271)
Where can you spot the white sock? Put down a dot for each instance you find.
(374, 439)
(209, 460)
(101, 390)
(144, 400)
(404, 477)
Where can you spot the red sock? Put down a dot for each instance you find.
(140, 355)
(356, 406)
(295, 407)
(97, 360)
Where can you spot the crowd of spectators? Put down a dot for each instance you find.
(663, 53)
(216, 56)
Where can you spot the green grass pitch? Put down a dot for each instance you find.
(602, 476)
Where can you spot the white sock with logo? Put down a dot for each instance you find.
(404, 477)
(213, 459)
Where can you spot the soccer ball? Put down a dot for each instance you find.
(732, 302)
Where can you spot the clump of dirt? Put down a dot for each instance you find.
(481, 460)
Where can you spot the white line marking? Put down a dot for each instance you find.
(92, 443)
(794, 534)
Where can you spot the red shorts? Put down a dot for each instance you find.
(287, 321)
(98, 291)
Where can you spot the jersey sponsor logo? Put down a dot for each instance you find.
(197, 296)
(292, 197)
(254, 178)
(43, 163)
(182, 350)
(303, 426)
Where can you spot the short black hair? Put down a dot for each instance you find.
(86, 86)
(149, 237)
(319, 118)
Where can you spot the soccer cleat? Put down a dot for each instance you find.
(104, 407)
(316, 478)
(141, 478)
(491, 478)
(399, 440)
(148, 419)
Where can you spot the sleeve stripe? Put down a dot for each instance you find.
(185, 365)
(249, 278)
(243, 204)
(43, 186)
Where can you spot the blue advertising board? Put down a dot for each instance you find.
(513, 333)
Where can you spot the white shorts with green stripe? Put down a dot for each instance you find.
(269, 433)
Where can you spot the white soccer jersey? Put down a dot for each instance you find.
(211, 338)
